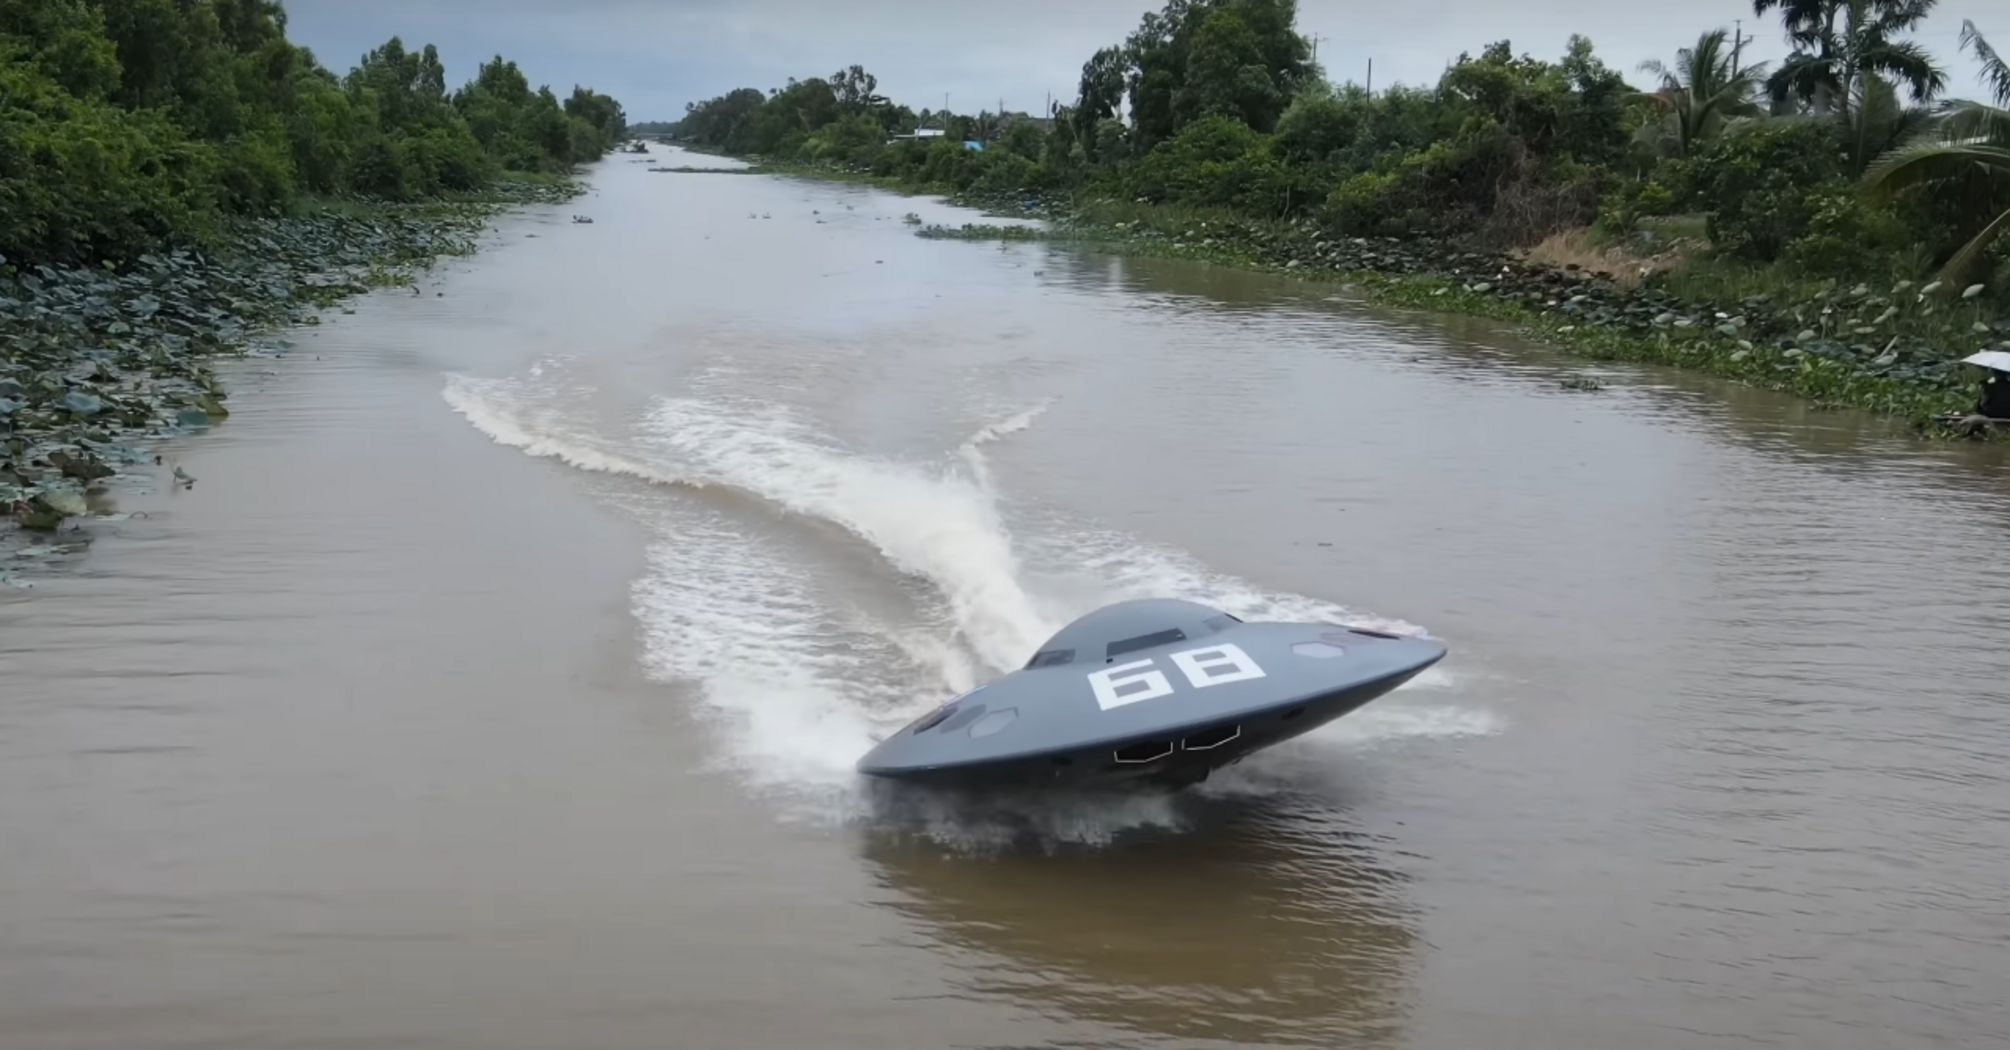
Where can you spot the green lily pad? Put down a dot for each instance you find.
(81, 403)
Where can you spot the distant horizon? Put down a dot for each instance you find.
(655, 58)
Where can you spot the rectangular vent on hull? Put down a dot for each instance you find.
(1145, 641)
(1051, 658)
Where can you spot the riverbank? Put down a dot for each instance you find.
(1889, 350)
(398, 729)
(1893, 350)
(99, 365)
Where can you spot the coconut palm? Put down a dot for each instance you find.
(1703, 91)
(1964, 151)
(1878, 122)
(1839, 42)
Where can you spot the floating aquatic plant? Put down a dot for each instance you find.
(98, 364)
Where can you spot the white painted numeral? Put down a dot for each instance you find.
(1206, 667)
(1110, 684)
(1203, 667)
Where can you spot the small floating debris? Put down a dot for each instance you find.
(1581, 383)
(583, 219)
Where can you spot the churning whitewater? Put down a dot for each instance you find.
(756, 512)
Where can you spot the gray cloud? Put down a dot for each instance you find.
(656, 56)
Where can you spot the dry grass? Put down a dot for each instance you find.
(1578, 248)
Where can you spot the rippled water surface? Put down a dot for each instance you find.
(497, 685)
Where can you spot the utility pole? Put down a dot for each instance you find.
(1371, 78)
(1315, 38)
(1738, 46)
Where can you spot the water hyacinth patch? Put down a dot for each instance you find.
(1894, 351)
(97, 364)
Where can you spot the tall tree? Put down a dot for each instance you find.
(1839, 42)
(1102, 90)
(1964, 152)
(1704, 91)
(1200, 57)
(856, 90)
(1226, 75)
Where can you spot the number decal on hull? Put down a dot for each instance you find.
(1115, 688)
(1141, 680)
(1216, 664)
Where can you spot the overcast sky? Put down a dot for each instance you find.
(656, 55)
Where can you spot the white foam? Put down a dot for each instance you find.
(501, 409)
(776, 674)
(797, 684)
(1012, 424)
(972, 449)
(935, 523)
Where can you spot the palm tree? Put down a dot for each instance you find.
(1839, 42)
(1966, 151)
(1877, 122)
(1704, 91)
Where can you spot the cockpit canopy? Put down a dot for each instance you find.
(1126, 627)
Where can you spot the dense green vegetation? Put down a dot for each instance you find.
(176, 177)
(1836, 212)
(131, 125)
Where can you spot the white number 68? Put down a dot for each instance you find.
(1140, 680)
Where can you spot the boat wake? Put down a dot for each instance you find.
(800, 669)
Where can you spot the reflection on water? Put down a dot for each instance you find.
(1264, 927)
(1473, 349)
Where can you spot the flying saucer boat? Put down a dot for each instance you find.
(1152, 691)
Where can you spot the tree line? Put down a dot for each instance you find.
(1846, 159)
(126, 125)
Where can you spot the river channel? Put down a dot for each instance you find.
(498, 683)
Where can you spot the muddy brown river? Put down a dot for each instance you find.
(497, 685)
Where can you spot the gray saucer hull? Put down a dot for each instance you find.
(1149, 692)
